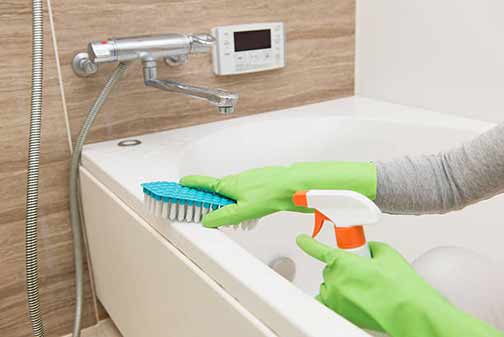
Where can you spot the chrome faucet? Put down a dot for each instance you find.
(174, 49)
(224, 100)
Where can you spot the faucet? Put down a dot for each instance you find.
(224, 100)
(174, 49)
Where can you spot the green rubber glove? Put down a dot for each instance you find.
(386, 294)
(263, 191)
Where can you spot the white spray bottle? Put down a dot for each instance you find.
(347, 210)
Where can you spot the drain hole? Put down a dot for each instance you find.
(129, 142)
(284, 266)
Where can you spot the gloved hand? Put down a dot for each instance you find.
(385, 294)
(263, 191)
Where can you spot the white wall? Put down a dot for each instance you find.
(444, 55)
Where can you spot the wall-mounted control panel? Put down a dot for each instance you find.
(248, 48)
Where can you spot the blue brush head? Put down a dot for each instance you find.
(176, 193)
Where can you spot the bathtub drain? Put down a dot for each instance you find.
(284, 266)
(129, 142)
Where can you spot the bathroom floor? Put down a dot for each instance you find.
(105, 328)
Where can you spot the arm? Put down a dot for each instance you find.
(409, 185)
(446, 181)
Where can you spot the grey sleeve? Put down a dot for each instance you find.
(446, 181)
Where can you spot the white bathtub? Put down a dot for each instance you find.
(175, 279)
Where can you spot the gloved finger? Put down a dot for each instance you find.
(202, 182)
(314, 248)
(230, 215)
(383, 250)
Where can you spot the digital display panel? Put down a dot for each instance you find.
(252, 40)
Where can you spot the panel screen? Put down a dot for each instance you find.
(253, 39)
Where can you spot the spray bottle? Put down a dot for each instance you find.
(348, 211)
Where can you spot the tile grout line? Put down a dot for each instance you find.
(60, 76)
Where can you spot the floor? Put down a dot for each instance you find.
(105, 328)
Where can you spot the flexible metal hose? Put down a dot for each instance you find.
(31, 240)
(32, 194)
(75, 214)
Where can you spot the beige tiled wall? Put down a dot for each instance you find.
(56, 266)
(320, 66)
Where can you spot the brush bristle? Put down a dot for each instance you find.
(171, 201)
(185, 212)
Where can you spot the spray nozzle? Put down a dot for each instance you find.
(319, 222)
(348, 211)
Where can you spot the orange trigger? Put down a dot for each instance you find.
(319, 222)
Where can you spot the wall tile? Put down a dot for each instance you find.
(320, 59)
(56, 259)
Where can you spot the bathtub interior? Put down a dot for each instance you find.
(272, 142)
(311, 139)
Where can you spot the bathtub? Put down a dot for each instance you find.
(157, 278)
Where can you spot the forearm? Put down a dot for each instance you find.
(446, 181)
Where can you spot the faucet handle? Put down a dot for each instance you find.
(201, 43)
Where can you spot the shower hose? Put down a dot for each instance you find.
(32, 190)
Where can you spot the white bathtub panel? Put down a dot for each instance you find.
(149, 287)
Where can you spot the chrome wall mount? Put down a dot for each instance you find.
(173, 49)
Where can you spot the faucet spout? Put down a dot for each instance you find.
(224, 100)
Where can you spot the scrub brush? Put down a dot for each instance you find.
(175, 202)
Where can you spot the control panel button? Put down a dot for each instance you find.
(255, 58)
(240, 58)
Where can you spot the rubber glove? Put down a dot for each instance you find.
(386, 294)
(263, 191)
